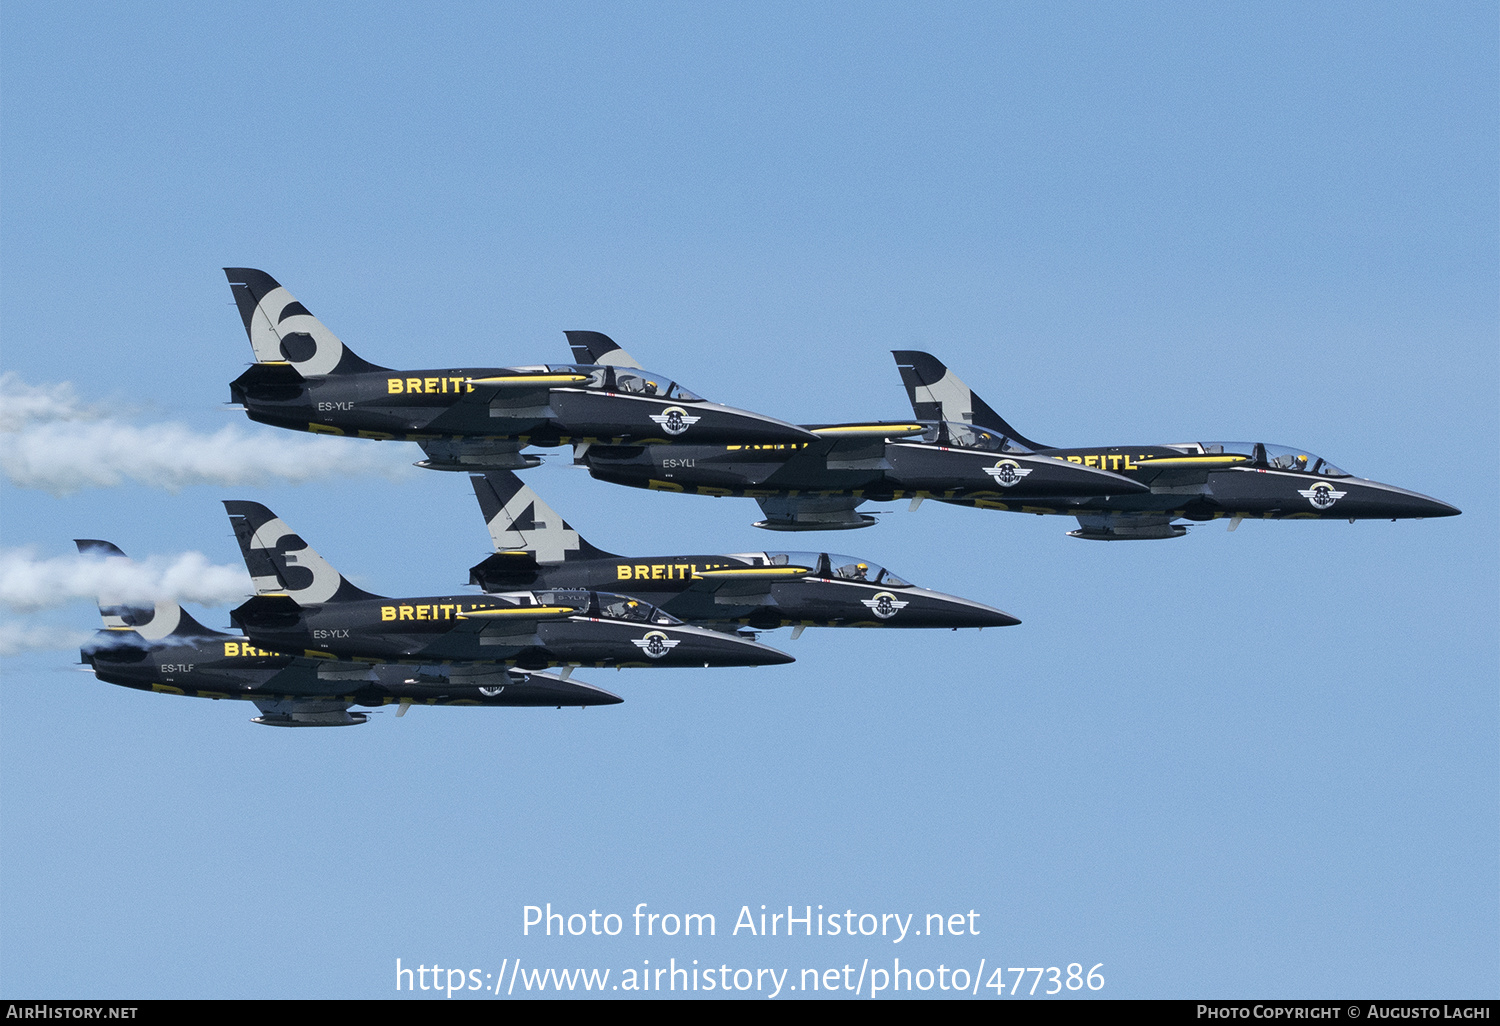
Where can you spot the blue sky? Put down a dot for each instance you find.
(1260, 763)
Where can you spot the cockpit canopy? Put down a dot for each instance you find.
(630, 381)
(967, 436)
(608, 606)
(1276, 457)
(828, 565)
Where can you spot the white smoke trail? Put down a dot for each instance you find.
(28, 583)
(16, 638)
(21, 403)
(51, 440)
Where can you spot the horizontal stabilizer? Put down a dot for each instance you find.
(505, 571)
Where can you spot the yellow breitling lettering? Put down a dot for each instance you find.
(655, 571)
(1075, 459)
(387, 612)
(406, 612)
(421, 612)
(427, 386)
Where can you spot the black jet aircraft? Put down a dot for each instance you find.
(304, 607)
(536, 548)
(817, 485)
(1196, 481)
(961, 451)
(160, 647)
(466, 418)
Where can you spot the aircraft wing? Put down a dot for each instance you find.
(813, 513)
(1126, 527)
(475, 454)
(305, 712)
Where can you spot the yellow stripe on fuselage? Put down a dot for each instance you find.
(870, 430)
(524, 611)
(531, 379)
(1187, 461)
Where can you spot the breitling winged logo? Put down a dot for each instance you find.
(885, 605)
(655, 644)
(1322, 495)
(1007, 472)
(674, 420)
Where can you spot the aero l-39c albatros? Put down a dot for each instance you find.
(961, 451)
(536, 548)
(304, 607)
(159, 647)
(466, 418)
(817, 485)
(1196, 481)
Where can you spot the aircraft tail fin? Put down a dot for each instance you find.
(937, 394)
(519, 521)
(152, 620)
(281, 563)
(598, 348)
(282, 330)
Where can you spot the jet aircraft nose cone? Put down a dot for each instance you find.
(1399, 503)
(742, 652)
(727, 423)
(702, 646)
(949, 611)
(765, 655)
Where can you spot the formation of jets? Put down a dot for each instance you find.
(312, 645)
